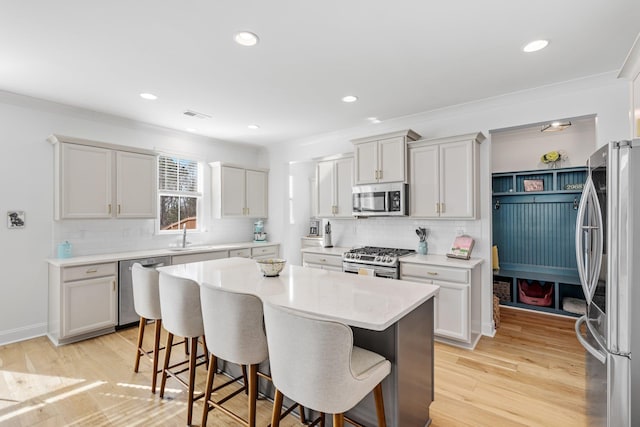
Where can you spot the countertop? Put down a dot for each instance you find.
(441, 260)
(361, 301)
(120, 256)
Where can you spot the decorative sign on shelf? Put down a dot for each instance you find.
(533, 185)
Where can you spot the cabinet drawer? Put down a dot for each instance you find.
(243, 253)
(434, 272)
(335, 261)
(89, 271)
(203, 256)
(269, 251)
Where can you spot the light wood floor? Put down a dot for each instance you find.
(530, 374)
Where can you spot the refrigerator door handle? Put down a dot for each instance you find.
(589, 258)
(598, 354)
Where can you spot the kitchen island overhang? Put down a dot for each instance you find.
(391, 317)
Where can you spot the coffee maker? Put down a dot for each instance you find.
(259, 235)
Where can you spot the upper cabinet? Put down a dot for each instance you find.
(238, 191)
(382, 158)
(444, 177)
(99, 180)
(334, 178)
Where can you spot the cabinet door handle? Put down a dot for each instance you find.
(248, 211)
(109, 208)
(432, 273)
(114, 285)
(118, 208)
(437, 207)
(92, 270)
(323, 259)
(441, 207)
(379, 174)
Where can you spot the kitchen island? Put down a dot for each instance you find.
(391, 317)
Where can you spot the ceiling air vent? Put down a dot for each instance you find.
(192, 113)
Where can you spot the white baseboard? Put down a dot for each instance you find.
(21, 334)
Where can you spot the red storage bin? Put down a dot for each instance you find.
(535, 293)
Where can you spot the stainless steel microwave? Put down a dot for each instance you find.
(380, 199)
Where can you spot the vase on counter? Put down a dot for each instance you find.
(422, 248)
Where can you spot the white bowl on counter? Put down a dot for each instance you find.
(271, 267)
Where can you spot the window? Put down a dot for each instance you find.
(179, 193)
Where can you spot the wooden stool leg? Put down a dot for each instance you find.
(338, 420)
(303, 419)
(211, 372)
(206, 352)
(245, 379)
(377, 392)
(253, 394)
(140, 337)
(277, 409)
(165, 365)
(321, 419)
(192, 378)
(156, 356)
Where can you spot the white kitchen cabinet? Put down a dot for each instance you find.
(265, 252)
(444, 177)
(99, 180)
(334, 179)
(382, 158)
(239, 191)
(457, 305)
(82, 301)
(200, 256)
(322, 261)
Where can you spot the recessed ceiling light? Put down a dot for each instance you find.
(190, 130)
(349, 98)
(373, 119)
(253, 127)
(246, 38)
(149, 96)
(555, 126)
(535, 46)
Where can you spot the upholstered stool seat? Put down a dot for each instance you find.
(182, 316)
(321, 368)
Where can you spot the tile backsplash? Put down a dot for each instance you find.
(400, 232)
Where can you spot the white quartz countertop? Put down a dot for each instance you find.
(441, 260)
(361, 301)
(119, 256)
(326, 251)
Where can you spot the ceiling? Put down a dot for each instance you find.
(399, 57)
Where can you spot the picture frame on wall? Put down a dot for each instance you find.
(533, 185)
(16, 219)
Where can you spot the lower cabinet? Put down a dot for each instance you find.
(82, 301)
(322, 261)
(201, 256)
(265, 252)
(457, 305)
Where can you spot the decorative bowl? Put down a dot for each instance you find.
(271, 267)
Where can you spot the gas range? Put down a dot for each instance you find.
(382, 262)
(372, 255)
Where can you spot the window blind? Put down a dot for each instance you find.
(178, 175)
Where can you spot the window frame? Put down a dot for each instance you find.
(198, 195)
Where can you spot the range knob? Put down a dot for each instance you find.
(387, 258)
(378, 259)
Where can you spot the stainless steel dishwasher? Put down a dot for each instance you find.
(126, 312)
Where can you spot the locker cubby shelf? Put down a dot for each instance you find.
(554, 181)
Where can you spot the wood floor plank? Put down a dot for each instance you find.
(530, 374)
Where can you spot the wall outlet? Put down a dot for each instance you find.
(460, 232)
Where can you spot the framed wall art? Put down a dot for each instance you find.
(15, 219)
(533, 185)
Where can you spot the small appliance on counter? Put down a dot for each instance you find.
(326, 241)
(259, 235)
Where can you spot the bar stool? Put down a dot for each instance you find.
(321, 368)
(182, 316)
(146, 302)
(234, 329)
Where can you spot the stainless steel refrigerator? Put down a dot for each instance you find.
(608, 255)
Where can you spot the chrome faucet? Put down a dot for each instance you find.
(184, 236)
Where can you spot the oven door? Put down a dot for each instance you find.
(370, 270)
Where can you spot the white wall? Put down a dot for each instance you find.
(27, 177)
(604, 96)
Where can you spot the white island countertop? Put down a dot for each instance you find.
(361, 301)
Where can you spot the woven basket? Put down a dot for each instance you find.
(496, 311)
(502, 290)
